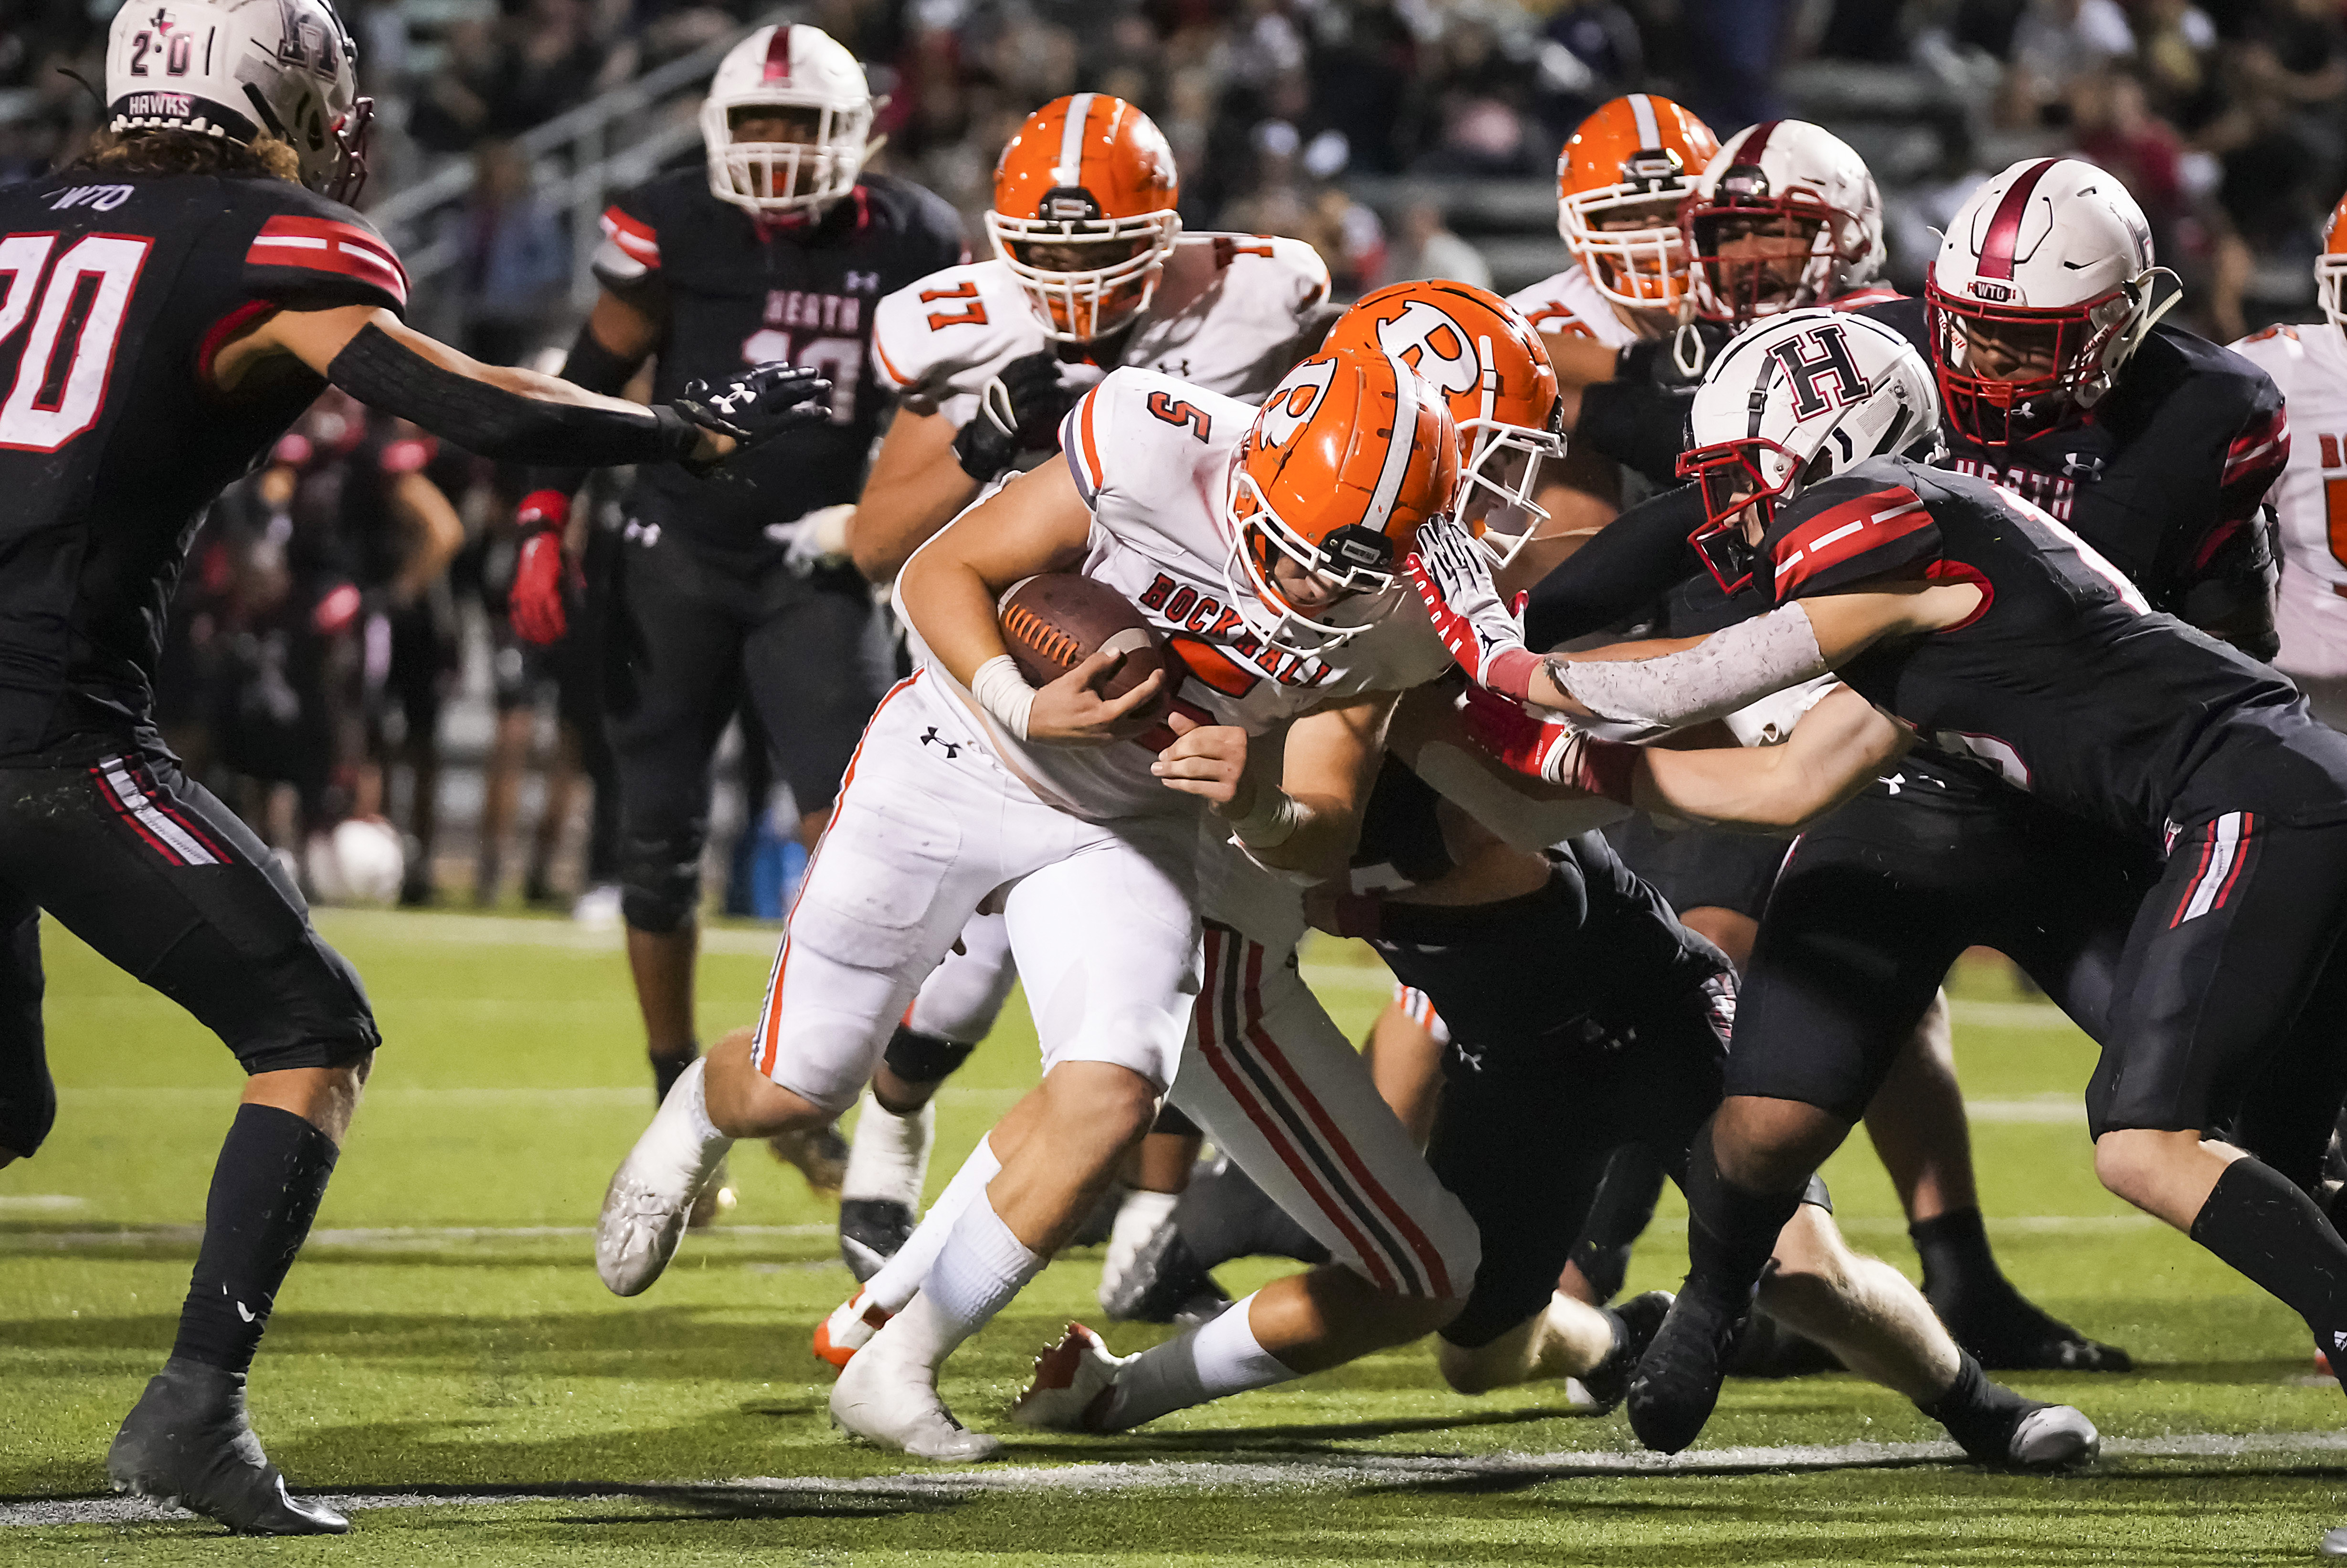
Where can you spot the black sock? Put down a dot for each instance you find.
(1957, 1262)
(1979, 1414)
(2256, 1220)
(271, 1174)
(667, 1070)
(1223, 1215)
(1731, 1229)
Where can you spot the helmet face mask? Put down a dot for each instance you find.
(1620, 178)
(1742, 479)
(2007, 374)
(1085, 279)
(1354, 568)
(1085, 214)
(799, 82)
(1785, 217)
(1762, 259)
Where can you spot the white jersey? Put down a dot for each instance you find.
(1152, 457)
(1227, 316)
(2308, 365)
(1569, 305)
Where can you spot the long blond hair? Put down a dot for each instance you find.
(189, 152)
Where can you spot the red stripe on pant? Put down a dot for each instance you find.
(1429, 1258)
(2208, 851)
(1216, 1049)
(157, 797)
(122, 809)
(770, 1028)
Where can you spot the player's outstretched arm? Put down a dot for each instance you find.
(952, 587)
(1305, 823)
(1840, 745)
(516, 414)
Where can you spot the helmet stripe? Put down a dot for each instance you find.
(1749, 153)
(1399, 449)
(1650, 129)
(1070, 170)
(778, 55)
(2004, 228)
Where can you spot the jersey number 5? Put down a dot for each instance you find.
(64, 359)
(1174, 413)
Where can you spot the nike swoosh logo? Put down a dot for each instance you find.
(240, 1312)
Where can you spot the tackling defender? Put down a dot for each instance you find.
(172, 303)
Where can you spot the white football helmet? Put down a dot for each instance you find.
(1782, 179)
(2040, 292)
(240, 69)
(1792, 402)
(795, 67)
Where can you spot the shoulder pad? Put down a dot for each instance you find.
(309, 253)
(1301, 266)
(1866, 523)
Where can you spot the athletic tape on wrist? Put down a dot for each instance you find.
(1271, 822)
(1004, 693)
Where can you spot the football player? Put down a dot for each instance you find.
(1268, 541)
(780, 248)
(1090, 271)
(1989, 626)
(171, 305)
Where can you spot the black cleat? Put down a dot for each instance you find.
(1769, 1349)
(187, 1441)
(1166, 1284)
(1679, 1378)
(2010, 1332)
(1635, 1322)
(870, 1232)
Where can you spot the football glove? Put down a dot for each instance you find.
(757, 404)
(1549, 749)
(1454, 579)
(818, 539)
(534, 605)
(1019, 411)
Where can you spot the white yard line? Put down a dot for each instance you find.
(1317, 1472)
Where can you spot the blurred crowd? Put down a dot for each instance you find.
(341, 595)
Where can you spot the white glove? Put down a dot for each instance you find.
(817, 539)
(1454, 580)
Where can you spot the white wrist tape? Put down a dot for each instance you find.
(1004, 693)
(1724, 672)
(1271, 822)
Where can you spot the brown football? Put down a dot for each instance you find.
(1054, 621)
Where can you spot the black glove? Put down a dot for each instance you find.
(758, 404)
(1019, 411)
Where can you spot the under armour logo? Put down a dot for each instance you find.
(1473, 1058)
(1893, 781)
(2337, 1340)
(952, 748)
(862, 283)
(2077, 465)
(640, 533)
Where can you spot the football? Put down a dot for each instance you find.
(1054, 621)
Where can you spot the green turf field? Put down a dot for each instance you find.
(445, 1352)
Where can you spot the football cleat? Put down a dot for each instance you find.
(2334, 1543)
(2051, 1437)
(849, 1328)
(1678, 1381)
(1635, 1322)
(188, 1442)
(819, 1152)
(653, 1191)
(870, 1232)
(1073, 1385)
(891, 1406)
(1161, 1282)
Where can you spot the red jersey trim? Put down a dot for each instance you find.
(325, 245)
(1845, 532)
(636, 238)
(1957, 571)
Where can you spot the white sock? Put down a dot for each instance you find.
(1214, 1359)
(690, 1096)
(980, 1268)
(901, 1275)
(890, 1157)
(1137, 1219)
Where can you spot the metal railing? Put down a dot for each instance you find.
(575, 168)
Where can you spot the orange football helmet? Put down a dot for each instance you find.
(2331, 268)
(1349, 453)
(1086, 176)
(1486, 360)
(1619, 183)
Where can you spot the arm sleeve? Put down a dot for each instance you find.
(1634, 561)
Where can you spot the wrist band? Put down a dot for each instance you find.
(1271, 822)
(1004, 693)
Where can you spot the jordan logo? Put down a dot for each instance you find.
(952, 748)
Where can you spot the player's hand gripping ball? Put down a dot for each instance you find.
(1055, 623)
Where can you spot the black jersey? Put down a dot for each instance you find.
(2064, 682)
(2163, 477)
(730, 291)
(118, 293)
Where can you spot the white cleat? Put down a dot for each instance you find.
(891, 1406)
(1139, 1218)
(651, 1194)
(2053, 1436)
(1073, 1383)
(2334, 1543)
(849, 1328)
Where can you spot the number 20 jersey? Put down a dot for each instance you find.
(115, 294)
(1151, 457)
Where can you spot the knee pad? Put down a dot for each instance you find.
(659, 881)
(919, 1058)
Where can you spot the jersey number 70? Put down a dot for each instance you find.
(64, 359)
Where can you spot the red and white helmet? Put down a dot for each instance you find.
(1784, 180)
(242, 69)
(1792, 402)
(2040, 292)
(795, 69)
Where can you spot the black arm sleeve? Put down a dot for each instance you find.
(1634, 561)
(1637, 423)
(381, 372)
(596, 368)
